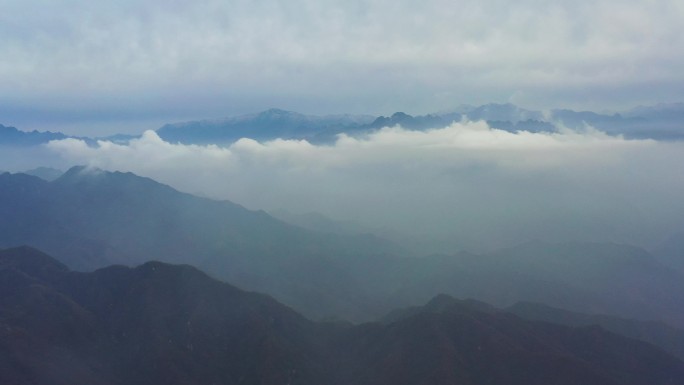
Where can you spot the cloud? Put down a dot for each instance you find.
(211, 58)
(479, 186)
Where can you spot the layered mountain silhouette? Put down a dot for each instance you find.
(270, 124)
(171, 324)
(14, 137)
(45, 173)
(92, 218)
(660, 122)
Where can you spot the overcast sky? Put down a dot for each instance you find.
(95, 67)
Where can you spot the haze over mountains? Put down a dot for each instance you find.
(517, 176)
(456, 193)
(90, 218)
(493, 203)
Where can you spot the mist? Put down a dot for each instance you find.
(469, 185)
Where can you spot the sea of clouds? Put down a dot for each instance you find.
(474, 185)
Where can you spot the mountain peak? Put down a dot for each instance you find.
(92, 174)
(80, 171)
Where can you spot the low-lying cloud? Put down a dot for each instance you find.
(477, 186)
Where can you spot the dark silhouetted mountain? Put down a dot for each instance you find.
(91, 218)
(168, 324)
(154, 324)
(657, 333)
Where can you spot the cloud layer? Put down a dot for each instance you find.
(75, 61)
(478, 186)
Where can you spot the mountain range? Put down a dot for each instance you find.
(173, 324)
(662, 122)
(89, 218)
(659, 122)
(12, 136)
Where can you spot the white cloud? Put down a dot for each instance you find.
(484, 187)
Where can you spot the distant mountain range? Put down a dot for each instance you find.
(266, 125)
(168, 324)
(660, 122)
(12, 136)
(89, 218)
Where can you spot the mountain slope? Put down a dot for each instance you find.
(161, 323)
(154, 324)
(91, 218)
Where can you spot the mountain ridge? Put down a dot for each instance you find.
(659, 122)
(91, 218)
(162, 323)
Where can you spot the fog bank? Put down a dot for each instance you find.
(478, 187)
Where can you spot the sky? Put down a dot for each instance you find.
(96, 68)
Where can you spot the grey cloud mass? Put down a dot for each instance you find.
(73, 65)
(478, 187)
